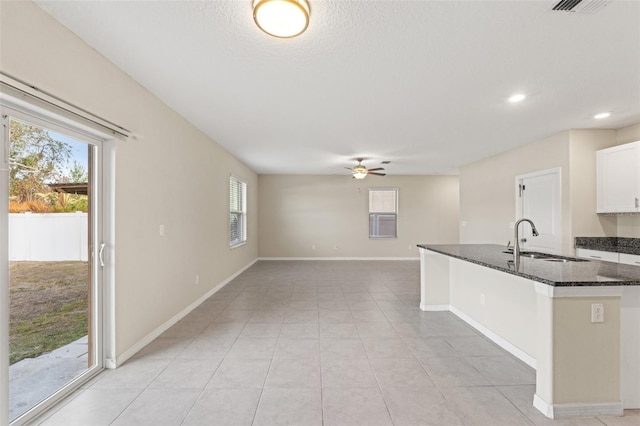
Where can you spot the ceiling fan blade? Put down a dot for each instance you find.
(377, 174)
(376, 169)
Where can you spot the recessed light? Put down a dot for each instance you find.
(602, 115)
(517, 98)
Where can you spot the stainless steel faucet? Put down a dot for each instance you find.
(516, 245)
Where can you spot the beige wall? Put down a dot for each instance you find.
(174, 175)
(299, 212)
(629, 226)
(487, 188)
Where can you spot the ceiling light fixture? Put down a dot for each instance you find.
(517, 98)
(359, 172)
(602, 115)
(281, 18)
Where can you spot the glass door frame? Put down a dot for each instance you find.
(98, 210)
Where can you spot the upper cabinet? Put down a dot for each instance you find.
(618, 170)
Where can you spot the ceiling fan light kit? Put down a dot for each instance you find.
(361, 172)
(281, 18)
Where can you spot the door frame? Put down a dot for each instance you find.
(103, 231)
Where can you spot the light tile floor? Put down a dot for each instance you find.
(316, 343)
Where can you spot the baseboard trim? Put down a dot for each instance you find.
(513, 350)
(589, 409)
(124, 356)
(339, 258)
(434, 308)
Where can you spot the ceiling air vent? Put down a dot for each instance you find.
(580, 6)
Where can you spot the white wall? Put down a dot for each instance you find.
(173, 175)
(299, 212)
(48, 236)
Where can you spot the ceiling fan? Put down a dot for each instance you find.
(360, 171)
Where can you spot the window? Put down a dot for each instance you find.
(237, 211)
(383, 213)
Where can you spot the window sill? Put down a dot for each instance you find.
(235, 246)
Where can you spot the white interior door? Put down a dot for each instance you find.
(538, 199)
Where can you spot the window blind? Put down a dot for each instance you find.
(237, 211)
(383, 204)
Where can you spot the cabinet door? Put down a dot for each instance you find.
(607, 256)
(618, 170)
(630, 259)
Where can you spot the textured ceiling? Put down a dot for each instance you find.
(420, 83)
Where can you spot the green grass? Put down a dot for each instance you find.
(48, 307)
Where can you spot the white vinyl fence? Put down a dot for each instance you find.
(48, 236)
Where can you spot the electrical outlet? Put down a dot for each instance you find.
(482, 299)
(197, 279)
(161, 230)
(597, 312)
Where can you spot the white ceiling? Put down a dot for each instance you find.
(420, 83)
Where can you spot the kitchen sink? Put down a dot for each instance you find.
(547, 257)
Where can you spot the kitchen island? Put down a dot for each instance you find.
(541, 311)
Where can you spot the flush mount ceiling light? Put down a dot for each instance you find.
(281, 18)
(517, 98)
(602, 115)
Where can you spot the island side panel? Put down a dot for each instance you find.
(586, 355)
(434, 281)
(579, 361)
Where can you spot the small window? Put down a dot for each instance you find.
(383, 213)
(237, 211)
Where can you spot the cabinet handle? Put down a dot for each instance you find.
(637, 202)
(596, 257)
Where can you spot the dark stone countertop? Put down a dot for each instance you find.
(613, 244)
(557, 274)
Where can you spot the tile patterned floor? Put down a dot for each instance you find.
(316, 343)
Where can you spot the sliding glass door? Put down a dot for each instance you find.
(52, 240)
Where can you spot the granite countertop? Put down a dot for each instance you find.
(569, 274)
(613, 244)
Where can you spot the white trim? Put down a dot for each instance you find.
(339, 258)
(586, 291)
(434, 308)
(513, 350)
(120, 359)
(4, 273)
(588, 409)
(109, 239)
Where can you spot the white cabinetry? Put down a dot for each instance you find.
(630, 259)
(618, 171)
(607, 256)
